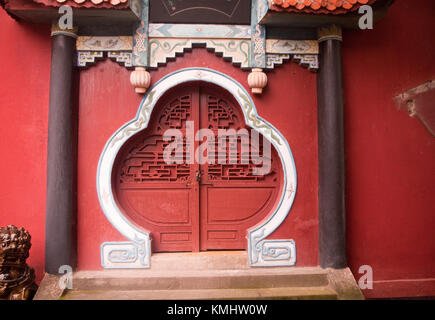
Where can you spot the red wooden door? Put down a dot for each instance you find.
(192, 207)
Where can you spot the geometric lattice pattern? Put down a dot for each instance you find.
(145, 160)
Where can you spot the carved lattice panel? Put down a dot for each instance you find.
(233, 198)
(157, 195)
(192, 206)
(222, 115)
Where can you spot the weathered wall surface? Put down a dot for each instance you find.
(24, 89)
(390, 156)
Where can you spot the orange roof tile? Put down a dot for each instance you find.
(116, 4)
(317, 6)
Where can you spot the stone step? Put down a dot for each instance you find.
(199, 279)
(306, 293)
(216, 260)
(205, 275)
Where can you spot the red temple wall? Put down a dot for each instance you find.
(389, 156)
(24, 90)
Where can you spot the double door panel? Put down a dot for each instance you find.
(197, 203)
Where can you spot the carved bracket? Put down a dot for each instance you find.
(305, 52)
(92, 49)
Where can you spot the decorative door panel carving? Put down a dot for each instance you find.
(157, 196)
(232, 197)
(191, 207)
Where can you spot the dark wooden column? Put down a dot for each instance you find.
(332, 224)
(60, 234)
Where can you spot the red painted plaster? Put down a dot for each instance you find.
(390, 156)
(24, 90)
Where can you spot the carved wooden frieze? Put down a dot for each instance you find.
(309, 61)
(273, 59)
(85, 58)
(17, 279)
(292, 46)
(122, 57)
(121, 43)
(162, 49)
(165, 42)
(305, 52)
(91, 49)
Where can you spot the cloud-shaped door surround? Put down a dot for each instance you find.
(137, 252)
